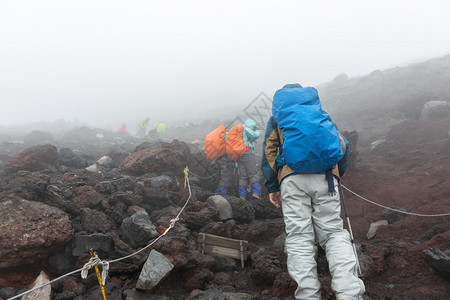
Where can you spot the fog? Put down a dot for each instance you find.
(111, 62)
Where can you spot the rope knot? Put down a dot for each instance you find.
(96, 261)
(173, 221)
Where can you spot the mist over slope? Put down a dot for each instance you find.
(368, 104)
(371, 104)
(93, 181)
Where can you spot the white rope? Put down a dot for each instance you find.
(172, 224)
(96, 261)
(134, 253)
(203, 177)
(93, 261)
(393, 209)
(47, 283)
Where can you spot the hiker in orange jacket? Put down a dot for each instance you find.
(123, 129)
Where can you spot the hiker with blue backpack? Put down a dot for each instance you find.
(303, 156)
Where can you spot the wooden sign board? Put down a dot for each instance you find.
(214, 244)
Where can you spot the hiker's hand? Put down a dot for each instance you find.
(275, 199)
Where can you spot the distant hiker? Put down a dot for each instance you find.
(215, 152)
(123, 129)
(240, 147)
(303, 151)
(161, 128)
(142, 130)
(158, 130)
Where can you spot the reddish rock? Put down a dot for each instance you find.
(119, 244)
(161, 229)
(36, 158)
(175, 248)
(30, 231)
(69, 284)
(283, 285)
(229, 229)
(164, 157)
(87, 197)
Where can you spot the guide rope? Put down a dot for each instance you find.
(95, 261)
(393, 209)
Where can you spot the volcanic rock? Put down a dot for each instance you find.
(102, 243)
(374, 226)
(74, 159)
(155, 269)
(29, 229)
(36, 158)
(222, 205)
(87, 197)
(43, 293)
(393, 216)
(138, 230)
(439, 261)
(162, 157)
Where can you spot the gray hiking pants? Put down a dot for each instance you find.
(308, 210)
(226, 172)
(248, 170)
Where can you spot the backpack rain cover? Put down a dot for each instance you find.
(311, 140)
(235, 145)
(215, 143)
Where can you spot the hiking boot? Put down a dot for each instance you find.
(242, 198)
(256, 196)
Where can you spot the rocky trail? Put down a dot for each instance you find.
(57, 204)
(61, 196)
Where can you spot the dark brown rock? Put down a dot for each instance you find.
(36, 158)
(439, 261)
(28, 185)
(94, 221)
(87, 197)
(30, 231)
(221, 278)
(283, 285)
(197, 278)
(164, 157)
(197, 219)
(266, 265)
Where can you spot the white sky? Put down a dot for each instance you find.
(108, 62)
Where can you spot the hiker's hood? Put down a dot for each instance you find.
(249, 124)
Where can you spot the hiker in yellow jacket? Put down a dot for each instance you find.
(142, 130)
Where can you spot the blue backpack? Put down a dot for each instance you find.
(311, 140)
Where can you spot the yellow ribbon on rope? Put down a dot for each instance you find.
(186, 170)
(94, 254)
